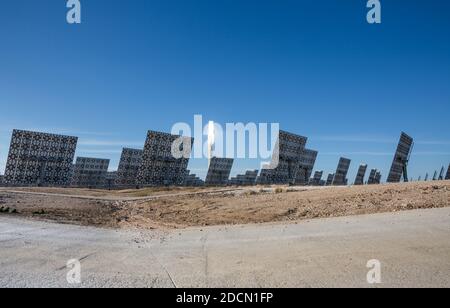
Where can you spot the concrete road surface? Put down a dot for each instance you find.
(412, 247)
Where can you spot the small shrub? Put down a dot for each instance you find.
(279, 190)
(251, 193)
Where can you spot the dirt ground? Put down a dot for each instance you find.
(126, 193)
(251, 205)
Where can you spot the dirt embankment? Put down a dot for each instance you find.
(61, 209)
(254, 205)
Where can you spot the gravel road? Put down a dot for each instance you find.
(413, 248)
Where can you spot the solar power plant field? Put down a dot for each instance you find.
(285, 160)
(39, 159)
(90, 172)
(360, 175)
(341, 172)
(400, 159)
(219, 171)
(159, 167)
(305, 166)
(130, 161)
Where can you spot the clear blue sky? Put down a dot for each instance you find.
(316, 67)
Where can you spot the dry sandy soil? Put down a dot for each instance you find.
(251, 205)
(127, 193)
